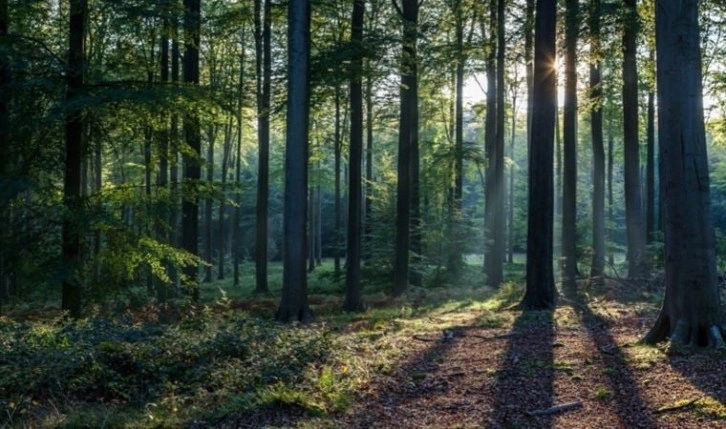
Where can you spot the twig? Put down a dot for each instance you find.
(675, 407)
(556, 409)
(420, 338)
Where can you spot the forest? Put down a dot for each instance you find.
(365, 213)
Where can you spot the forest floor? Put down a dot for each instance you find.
(433, 359)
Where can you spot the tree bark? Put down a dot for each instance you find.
(598, 152)
(294, 302)
(236, 232)
(637, 257)
(540, 291)
(455, 257)
(569, 183)
(192, 170)
(353, 295)
(337, 234)
(650, 226)
(264, 73)
(691, 313)
(72, 186)
(407, 148)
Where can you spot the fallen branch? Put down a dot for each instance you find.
(556, 409)
(494, 337)
(677, 406)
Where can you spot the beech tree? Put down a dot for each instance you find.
(691, 312)
(569, 165)
(353, 299)
(637, 258)
(598, 151)
(540, 290)
(192, 170)
(264, 72)
(294, 301)
(407, 146)
(72, 192)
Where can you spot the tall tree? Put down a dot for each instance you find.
(294, 302)
(192, 131)
(598, 151)
(74, 124)
(264, 74)
(4, 95)
(338, 142)
(455, 260)
(569, 166)
(691, 313)
(493, 191)
(162, 179)
(637, 258)
(528, 45)
(407, 144)
(650, 226)
(540, 291)
(353, 298)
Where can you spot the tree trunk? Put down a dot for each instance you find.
(598, 153)
(528, 44)
(236, 232)
(510, 220)
(407, 147)
(493, 191)
(71, 231)
(368, 220)
(226, 154)
(611, 202)
(569, 184)
(691, 313)
(264, 73)
(192, 170)
(540, 291)
(311, 229)
(338, 149)
(353, 298)
(174, 156)
(209, 206)
(162, 180)
(650, 227)
(294, 302)
(637, 258)
(455, 257)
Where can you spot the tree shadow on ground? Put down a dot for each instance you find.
(392, 402)
(524, 381)
(704, 370)
(629, 404)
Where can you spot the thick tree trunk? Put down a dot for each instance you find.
(264, 73)
(175, 204)
(691, 313)
(71, 231)
(637, 257)
(569, 184)
(407, 147)
(294, 302)
(598, 152)
(353, 296)
(494, 192)
(540, 291)
(192, 131)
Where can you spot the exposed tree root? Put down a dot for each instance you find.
(685, 334)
